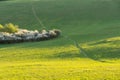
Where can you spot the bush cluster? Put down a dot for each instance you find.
(10, 28)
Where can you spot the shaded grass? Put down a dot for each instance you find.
(88, 18)
(107, 48)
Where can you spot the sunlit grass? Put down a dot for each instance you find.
(83, 69)
(26, 53)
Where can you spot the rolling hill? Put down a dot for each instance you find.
(88, 48)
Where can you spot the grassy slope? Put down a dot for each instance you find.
(93, 23)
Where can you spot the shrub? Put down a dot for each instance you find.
(10, 28)
(1, 28)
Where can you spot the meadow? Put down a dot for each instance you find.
(93, 24)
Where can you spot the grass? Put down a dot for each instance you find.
(22, 62)
(93, 24)
(82, 69)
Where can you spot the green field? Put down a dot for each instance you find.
(93, 24)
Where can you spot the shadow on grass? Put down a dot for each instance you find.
(99, 54)
(65, 55)
(55, 42)
(5, 0)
